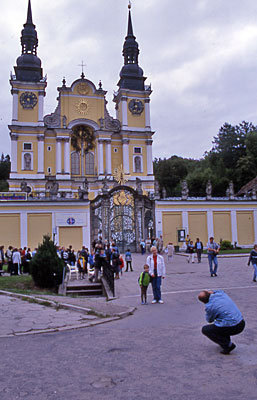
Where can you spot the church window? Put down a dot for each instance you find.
(115, 150)
(27, 146)
(49, 148)
(137, 164)
(137, 150)
(75, 160)
(90, 163)
(49, 170)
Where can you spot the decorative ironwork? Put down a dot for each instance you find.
(122, 215)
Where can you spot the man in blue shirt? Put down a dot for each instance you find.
(226, 317)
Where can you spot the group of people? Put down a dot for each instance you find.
(17, 259)
(102, 255)
(212, 252)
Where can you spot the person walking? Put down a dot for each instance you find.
(191, 251)
(198, 249)
(157, 271)
(128, 259)
(253, 260)
(170, 251)
(226, 317)
(144, 281)
(212, 251)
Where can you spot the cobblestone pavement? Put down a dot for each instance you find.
(158, 352)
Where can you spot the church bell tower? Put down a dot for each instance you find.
(27, 127)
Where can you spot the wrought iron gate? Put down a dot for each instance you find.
(122, 215)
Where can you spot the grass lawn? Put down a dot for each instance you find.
(22, 284)
(234, 251)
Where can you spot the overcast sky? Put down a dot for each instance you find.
(200, 57)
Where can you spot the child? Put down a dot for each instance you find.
(121, 263)
(253, 260)
(144, 281)
(81, 266)
(128, 258)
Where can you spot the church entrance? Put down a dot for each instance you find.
(122, 215)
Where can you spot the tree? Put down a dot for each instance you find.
(5, 167)
(46, 267)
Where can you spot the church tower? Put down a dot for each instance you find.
(27, 128)
(133, 111)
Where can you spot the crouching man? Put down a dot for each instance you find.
(226, 317)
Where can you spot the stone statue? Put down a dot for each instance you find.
(27, 161)
(231, 193)
(83, 191)
(52, 187)
(25, 187)
(254, 197)
(208, 190)
(156, 190)
(164, 193)
(139, 186)
(184, 191)
(105, 185)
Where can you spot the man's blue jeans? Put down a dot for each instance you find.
(255, 271)
(156, 286)
(213, 259)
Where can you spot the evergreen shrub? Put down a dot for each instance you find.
(46, 267)
(226, 245)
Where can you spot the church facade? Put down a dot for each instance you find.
(79, 151)
(79, 173)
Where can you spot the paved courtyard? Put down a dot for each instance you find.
(158, 352)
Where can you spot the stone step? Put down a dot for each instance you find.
(85, 286)
(82, 292)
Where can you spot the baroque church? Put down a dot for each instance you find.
(80, 151)
(79, 173)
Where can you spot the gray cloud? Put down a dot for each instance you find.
(200, 57)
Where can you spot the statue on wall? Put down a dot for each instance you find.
(139, 186)
(83, 191)
(164, 193)
(184, 191)
(156, 190)
(24, 187)
(52, 187)
(27, 161)
(105, 187)
(208, 190)
(230, 191)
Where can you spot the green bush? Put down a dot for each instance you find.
(46, 267)
(226, 245)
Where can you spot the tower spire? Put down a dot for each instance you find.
(28, 64)
(131, 75)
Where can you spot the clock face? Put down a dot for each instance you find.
(28, 100)
(136, 106)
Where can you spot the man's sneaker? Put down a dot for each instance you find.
(143, 303)
(227, 351)
(154, 301)
(160, 301)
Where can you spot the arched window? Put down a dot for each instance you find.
(90, 163)
(75, 158)
(137, 164)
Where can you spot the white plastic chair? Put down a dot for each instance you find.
(73, 269)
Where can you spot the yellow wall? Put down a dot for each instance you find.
(38, 226)
(10, 230)
(50, 156)
(27, 115)
(245, 228)
(71, 105)
(222, 226)
(71, 235)
(117, 158)
(197, 222)
(170, 222)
